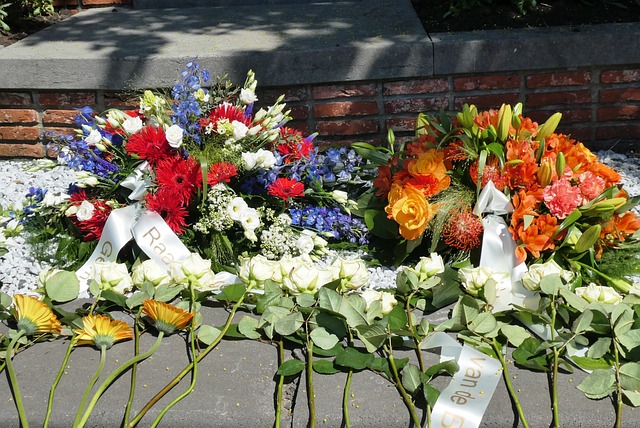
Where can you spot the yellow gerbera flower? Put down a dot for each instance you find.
(100, 330)
(167, 318)
(33, 316)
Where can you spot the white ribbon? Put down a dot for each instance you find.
(499, 250)
(136, 182)
(151, 233)
(464, 401)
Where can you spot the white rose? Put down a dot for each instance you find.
(236, 206)
(132, 125)
(85, 211)
(352, 273)
(265, 159)
(370, 295)
(474, 279)
(111, 276)
(250, 160)
(598, 293)
(212, 282)
(247, 96)
(531, 279)
(249, 219)
(430, 266)
(191, 269)
(94, 137)
(45, 275)
(307, 279)
(239, 130)
(174, 136)
(257, 269)
(305, 244)
(150, 271)
(388, 302)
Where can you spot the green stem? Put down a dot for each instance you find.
(345, 399)
(619, 404)
(52, 391)
(280, 384)
(113, 376)
(416, 342)
(95, 303)
(168, 387)
(194, 364)
(87, 390)
(507, 381)
(134, 371)
(396, 379)
(556, 362)
(14, 381)
(310, 392)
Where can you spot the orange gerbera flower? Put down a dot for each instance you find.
(102, 331)
(166, 318)
(33, 316)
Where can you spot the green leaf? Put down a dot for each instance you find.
(529, 356)
(515, 334)
(380, 225)
(291, 367)
(289, 324)
(410, 378)
(136, 299)
(373, 336)
(354, 359)
(633, 397)
(305, 300)
(352, 307)
(431, 394)
(630, 376)
(450, 367)
(329, 299)
(397, 319)
(583, 322)
(324, 367)
(166, 293)
(63, 286)
(551, 284)
(266, 300)
(568, 221)
(599, 348)
(380, 365)
(630, 339)
(484, 324)
(208, 334)
(323, 339)
(622, 319)
(591, 364)
(576, 302)
(114, 297)
(599, 384)
(5, 300)
(234, 292)
(248, 326)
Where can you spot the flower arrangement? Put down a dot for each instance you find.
(526, 232)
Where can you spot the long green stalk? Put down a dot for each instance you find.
(507, 381)
(52, 391)
(280, 384)
(398, 383)
(14, 380)
(134, 372)
(92, 381)
(310, 392)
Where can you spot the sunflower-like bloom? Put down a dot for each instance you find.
(33, 316)
(166, 318)
(102, 331)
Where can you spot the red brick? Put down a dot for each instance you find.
(60, 117)
(582, 133)
(619, 95)
(619, 113)
(577, 115)
(347, 127)
(121, 101)
(303, 127)
(344, 91)
(67, 99)
(18, 116)
(609, 132)
(568, 78)
(22, 150)
(104, 2)
(15, 99)
(421, 86)
(399, 124)
(415, 105)
(299, 112)
(345, 142)
(486, 101)
(620, 76)
(483, 83)
(538, 99)
(60, 130)
(295, 93)
(345, 108)
(59, 3)
(19, 133)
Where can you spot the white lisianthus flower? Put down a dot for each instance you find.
(191, 269)
(174, 136)
(266, 159)
(150, 271)
(94, 137)
(85, 211)
(531, 279)
(387, 300)
(249, 219)
(475, 279)
(340, 196)
(51, 200)
(111, 276)
(239, 130)
(353, 274)
(236, 206)
(131, 125)
(305, 244)
(250, 160)
(247, 96)
(86, 179)
(598, 293)
(430, 266)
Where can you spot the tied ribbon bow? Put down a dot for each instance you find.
(499, 250)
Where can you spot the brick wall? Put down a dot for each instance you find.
(600, 107)
(89, 3)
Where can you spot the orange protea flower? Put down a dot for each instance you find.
(33, 316)
(102, 331)
(410, 209)
(491, 172)
(166, 318)
(464, 230)
(455, 151)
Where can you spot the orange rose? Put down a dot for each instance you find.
(409, 208)
(429, 168)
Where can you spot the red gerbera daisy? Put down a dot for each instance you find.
(292, 146)
(179, 177)
(225, 111)
(91, 229)
(221, 171)
(463, 231)
(150, 144)
(169, 208)
(286, 188)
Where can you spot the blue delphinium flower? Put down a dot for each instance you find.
(186, 109)
(331, 222)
